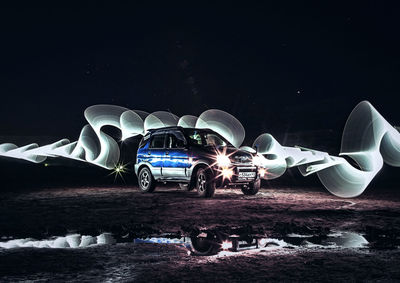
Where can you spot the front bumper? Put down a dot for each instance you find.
(241, 175)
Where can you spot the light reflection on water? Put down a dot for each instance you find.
(339, 239)
(69, 241)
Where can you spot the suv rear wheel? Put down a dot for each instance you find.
(252, 188)
(205, 184)
(147, 183)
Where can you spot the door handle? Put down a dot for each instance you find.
(149, 153)
(167, 153)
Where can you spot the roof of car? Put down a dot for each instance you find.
(175, 128)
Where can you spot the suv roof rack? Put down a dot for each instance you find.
(164, 128)
(175, 127)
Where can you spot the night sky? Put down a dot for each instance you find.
(293, 67)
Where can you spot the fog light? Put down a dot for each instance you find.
(227, 173)
(262, 172)
(226, 245)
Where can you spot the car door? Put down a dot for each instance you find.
(156, 153)
(176, 159)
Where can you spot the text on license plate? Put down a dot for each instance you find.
(247, 174)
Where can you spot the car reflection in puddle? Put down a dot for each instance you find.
(208, 242)
(211, 243)
(339, 239)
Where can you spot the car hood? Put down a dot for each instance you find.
(237, 155)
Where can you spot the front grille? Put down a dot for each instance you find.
(246, 169)
(241, 163)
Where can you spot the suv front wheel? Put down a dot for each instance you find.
(205, 184)
(147, 183)
(252, 188)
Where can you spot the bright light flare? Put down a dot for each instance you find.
(227, 173)
(226, 245)
(118, 170)
(223, 160)
(262, 172)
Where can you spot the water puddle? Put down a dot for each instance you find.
(211, 242)
(339, 239)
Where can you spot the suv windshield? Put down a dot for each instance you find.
(205, 138)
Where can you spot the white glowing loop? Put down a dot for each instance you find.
(223, 160)
(257, 160)
(368, 139)
(100, 149)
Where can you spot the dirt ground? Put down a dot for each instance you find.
(127, 213)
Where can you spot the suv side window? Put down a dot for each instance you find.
(175, 140)
(195, 138)
(157, 141)
(212, 139)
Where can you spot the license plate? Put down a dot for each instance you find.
(247, 175)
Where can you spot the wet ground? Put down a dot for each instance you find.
(302, 234)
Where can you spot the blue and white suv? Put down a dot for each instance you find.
(194, 158)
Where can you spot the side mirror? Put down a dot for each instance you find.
(256, 148)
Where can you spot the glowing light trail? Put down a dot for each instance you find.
(368, 139)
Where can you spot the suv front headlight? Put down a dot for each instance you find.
(223, 160)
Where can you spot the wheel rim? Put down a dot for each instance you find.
(144, 180)
(201, 182)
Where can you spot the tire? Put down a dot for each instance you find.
(252, 188)
(205, 184)
(204, 246)
(147, 184)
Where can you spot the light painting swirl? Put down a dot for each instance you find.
(368, 141)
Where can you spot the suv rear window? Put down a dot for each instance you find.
(144, 140)
(157, 141)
